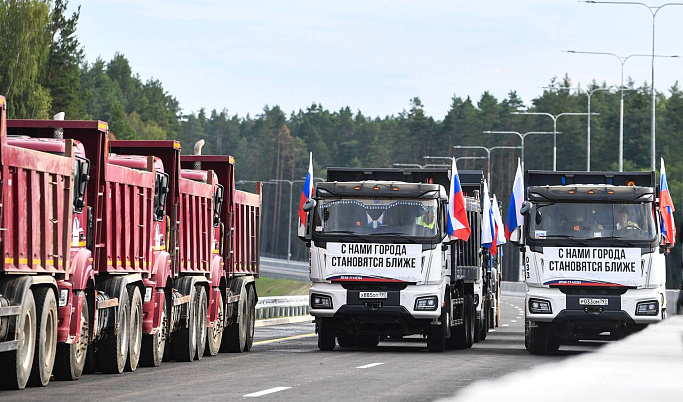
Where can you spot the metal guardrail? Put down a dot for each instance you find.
(281, 306)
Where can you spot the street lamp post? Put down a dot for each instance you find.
(653, 11)
(521, 136)
(289, 225)
(622, 61)
(467, 157)
(554, 117)
(588, 127)
(488, 155)
(449, 158)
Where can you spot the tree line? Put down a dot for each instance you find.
(43, 70)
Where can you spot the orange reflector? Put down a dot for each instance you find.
(357, 188)
(571, 191)
(376, 188)
(591, 191)
(610, 191)
(630, 183)
(395, 188)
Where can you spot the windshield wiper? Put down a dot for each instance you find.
(401, 235)
(345, 232)
(622, 240)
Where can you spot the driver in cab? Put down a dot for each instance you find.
(624, 223)
(427, 219)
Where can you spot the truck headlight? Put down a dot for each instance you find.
(321, 301)
(63, 297)
(538, 306)
(428, 303)
(647, 308)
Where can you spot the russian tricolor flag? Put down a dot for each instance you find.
(457, 224)
(514, 218)
(306, 193)
(489, 228)
(666, 208)
(500, 228)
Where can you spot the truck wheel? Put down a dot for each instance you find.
(367, 341)
(235, 337)
(201, 321)
(553, 343)
(537, 340)
(153, 346)
(46, 337)
(470, 318)
(16, 367)
(135, 337)
(214, 335)
(484, 330)
(112, 350)
(436, 335)
(251, 321)
(185, 340)
(326, 334)
(346, 340)
(70, 359)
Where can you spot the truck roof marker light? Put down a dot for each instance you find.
(394, 188)
(357, 188)
(176, 144)
(572, 191)
(376, 188)
(591, 191)
(630, 183)
(610, 191)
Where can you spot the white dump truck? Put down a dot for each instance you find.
(382, 264)
(593, 256)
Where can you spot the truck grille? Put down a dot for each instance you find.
(374, 286)
(593, 291)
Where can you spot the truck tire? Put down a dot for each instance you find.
(112, 349)
(135, 326)
(484, 327)
(326, 334)
(367, 341)
(185, 340)
(235, 337)
(154, 346)
(471, 317)
(251, 321)
(202, 318)
(16, 367)
(70, 358)
(537, 340)
(436, 334)
(214, 335)
(553, 343)
(346, 340)
(46, 337)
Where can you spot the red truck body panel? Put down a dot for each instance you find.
(195, 225)
(241, 211)
(122, 198)
(36, 209)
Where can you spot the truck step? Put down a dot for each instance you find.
(233, 299)
(10, 311)
(9, 345)
(102, 304)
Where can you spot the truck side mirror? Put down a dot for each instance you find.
(526, 207)
(218, 204)
(309, 205)
(309, 208)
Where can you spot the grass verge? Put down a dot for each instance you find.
(280, 287)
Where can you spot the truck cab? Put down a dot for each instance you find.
(593, 263)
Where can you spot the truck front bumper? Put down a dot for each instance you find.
(566, 307)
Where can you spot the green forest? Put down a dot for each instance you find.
(44, 70)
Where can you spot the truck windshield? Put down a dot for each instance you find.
(391, 217)
(587, 221)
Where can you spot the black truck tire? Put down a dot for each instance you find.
(135, 337)
(185, 340)
(538, 340)
(112, 349)
(326, 334)
(471, 318)
(214, 336)
(16, 367)
(367, 340)
(154, 346)
(346, 340)
(70, 358)
(46, 337)
(251, 321)
(436, 335)
(202, 309)
(235, 337)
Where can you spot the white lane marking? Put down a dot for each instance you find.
(505, 325)
(513, 320)
(492, 330)
(266, 392)
(369, 365)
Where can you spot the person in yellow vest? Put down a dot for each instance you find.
(427, 219)
(623, 222)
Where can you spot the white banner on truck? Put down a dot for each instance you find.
(369, 261)
(591, 265)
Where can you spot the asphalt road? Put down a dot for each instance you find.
(285, 364)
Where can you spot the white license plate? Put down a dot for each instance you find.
(373, 295)
(586, 301)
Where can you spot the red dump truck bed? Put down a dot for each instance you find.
(241, 209)
(121, 197)
(36, 210)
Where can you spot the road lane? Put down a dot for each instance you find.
(286, 358)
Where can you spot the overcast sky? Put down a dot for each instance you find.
(374, 56)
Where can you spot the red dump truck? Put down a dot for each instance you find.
(42, 195)
(211, 236)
